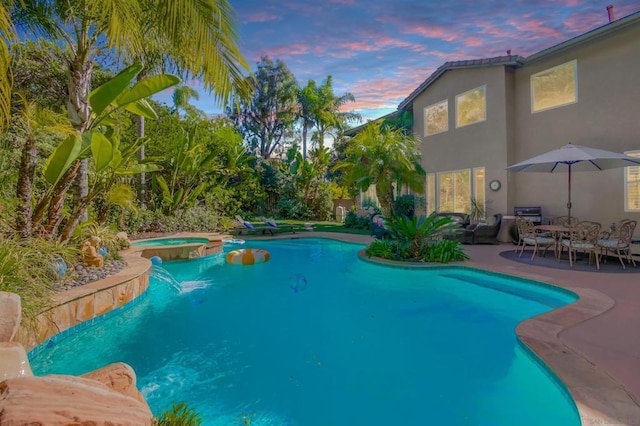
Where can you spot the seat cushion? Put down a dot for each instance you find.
(612, 243)
(578, 245)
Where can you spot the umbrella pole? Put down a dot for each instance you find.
(569, 202)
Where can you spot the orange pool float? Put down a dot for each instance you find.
(247, 256)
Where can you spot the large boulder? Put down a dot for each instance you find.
(117, 376)
(63, 400)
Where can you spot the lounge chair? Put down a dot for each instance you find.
(273, 226)
(247, 227)
(269, 227)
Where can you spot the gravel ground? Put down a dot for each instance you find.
(85, 274)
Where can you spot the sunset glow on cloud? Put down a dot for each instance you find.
(381, 50)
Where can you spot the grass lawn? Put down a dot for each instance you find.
(326, 227)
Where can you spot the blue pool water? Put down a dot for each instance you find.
(170, 241)
(316, 336)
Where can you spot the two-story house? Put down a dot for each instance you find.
(476, 117)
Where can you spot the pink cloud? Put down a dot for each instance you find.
(580, 23)
(253, 17)
(430, 31)
(288, 50)
(379, 93)
(537, 28)
(345, 2)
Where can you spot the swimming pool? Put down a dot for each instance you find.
(170, 241)
(316, 336)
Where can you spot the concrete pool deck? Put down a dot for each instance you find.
(592, 344)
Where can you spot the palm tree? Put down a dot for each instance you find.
(308, 100)
(35, 120)
(382, 156)
(198, 36)
(327, 114)
(181, 97)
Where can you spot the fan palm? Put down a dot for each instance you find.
(383, 156)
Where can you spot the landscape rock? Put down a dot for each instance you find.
(66, 400)
(13, 361)
(117, 376)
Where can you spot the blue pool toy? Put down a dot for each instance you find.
(156, 260)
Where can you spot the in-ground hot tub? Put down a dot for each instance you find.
(177, 248)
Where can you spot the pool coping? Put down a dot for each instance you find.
(599, 398)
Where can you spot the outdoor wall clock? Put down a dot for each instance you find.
(494, 185)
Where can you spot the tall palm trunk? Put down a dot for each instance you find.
(79, 85)
(52, 205)
(142, 183)
(25, 186)
(304, 141)
(385, 197)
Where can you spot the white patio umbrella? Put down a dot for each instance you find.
(575, 158)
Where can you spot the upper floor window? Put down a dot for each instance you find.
(554, 87)
(632, 185)
(471, 106)
(436, 118)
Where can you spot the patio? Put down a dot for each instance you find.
(592, 344)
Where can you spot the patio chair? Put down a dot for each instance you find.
(619, 241)
(565, 221)
(529, 236)
(584, 238)
(480, 233)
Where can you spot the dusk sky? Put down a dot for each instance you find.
(380, 50)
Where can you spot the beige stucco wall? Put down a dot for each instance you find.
(606, 116)
(476, 145)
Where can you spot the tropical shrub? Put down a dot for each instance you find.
(385, 249)
(196, 219)
(446, 251)
(416, 239)
(405, 205)
(416, 234)
(28, 268)
(352, 220)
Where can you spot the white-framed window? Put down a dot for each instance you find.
(554, 87)
(436, 118)
(452, 191)
(479, 191)
(471, 106)
(430, 189)
(632, 185)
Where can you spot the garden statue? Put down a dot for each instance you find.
(90, 254)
